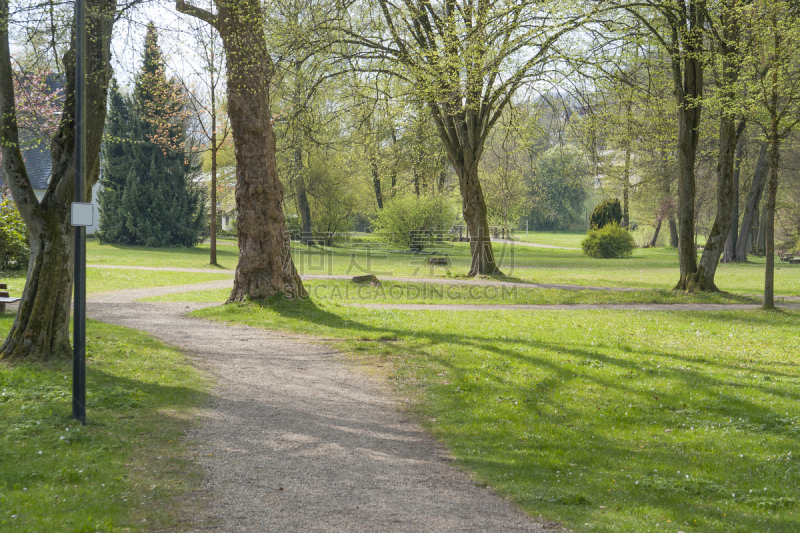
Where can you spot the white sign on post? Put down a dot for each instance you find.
(82, 214)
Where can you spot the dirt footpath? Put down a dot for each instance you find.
(296, 439)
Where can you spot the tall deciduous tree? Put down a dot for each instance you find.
(466, 60)
(41, 327)
(773, 62)
(265, 265)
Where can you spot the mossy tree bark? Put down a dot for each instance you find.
(41, 327)
(265, 266)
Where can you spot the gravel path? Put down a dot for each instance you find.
(297, 439)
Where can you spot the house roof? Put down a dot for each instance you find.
(38, 164)
(36, 154)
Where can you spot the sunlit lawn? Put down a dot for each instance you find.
(102, 279)
(126, 469)
(625, 421)
(648, 268)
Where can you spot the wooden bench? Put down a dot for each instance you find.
(5, 298)
(437, 261)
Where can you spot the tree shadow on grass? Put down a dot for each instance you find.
(531, 428)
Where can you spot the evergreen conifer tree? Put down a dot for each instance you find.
(149, 196)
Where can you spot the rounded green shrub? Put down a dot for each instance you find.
(608, 212)
(14, 241)
(610, 241)
(415, 221)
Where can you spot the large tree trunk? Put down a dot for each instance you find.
(673, 232)
(265, 266)
(772, 194)
(750, 216)
(729, 252)
(687, 73)
(41, 327)
(474, 211)
(729, 135)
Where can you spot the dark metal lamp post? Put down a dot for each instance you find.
(81, 214)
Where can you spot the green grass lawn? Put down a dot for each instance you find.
(567, 239)
(647, 268)
(344, 292)
(126, 469)
(101, 279)
(624, 421)
(196, 257)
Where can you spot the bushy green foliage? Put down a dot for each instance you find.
(609, 241)
(608, 212)
(415, 221)
(559, 183)
(149, 196)
(14, 240)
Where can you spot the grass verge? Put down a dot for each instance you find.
(344, 292)
(126, 469)
(625, 421)
(102, 279)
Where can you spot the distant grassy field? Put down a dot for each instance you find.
(100, 279)
(647, 268)
(125, 470)
(567, 239)
(619, 422)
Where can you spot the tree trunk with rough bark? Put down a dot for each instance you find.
(474, 211)
(265, 268)
(376, 180)
(729, 252)
(673, 232)
(728, 142)
(750, 216)
(772, 194)
(41, 327)
(687, 71)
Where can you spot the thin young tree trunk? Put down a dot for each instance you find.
(214, 148)
(626, 183)
(750, 216)
(761, 243)
(41, 327)
(774, 160)
(376, 180)
(298, 169)
(772, 194)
